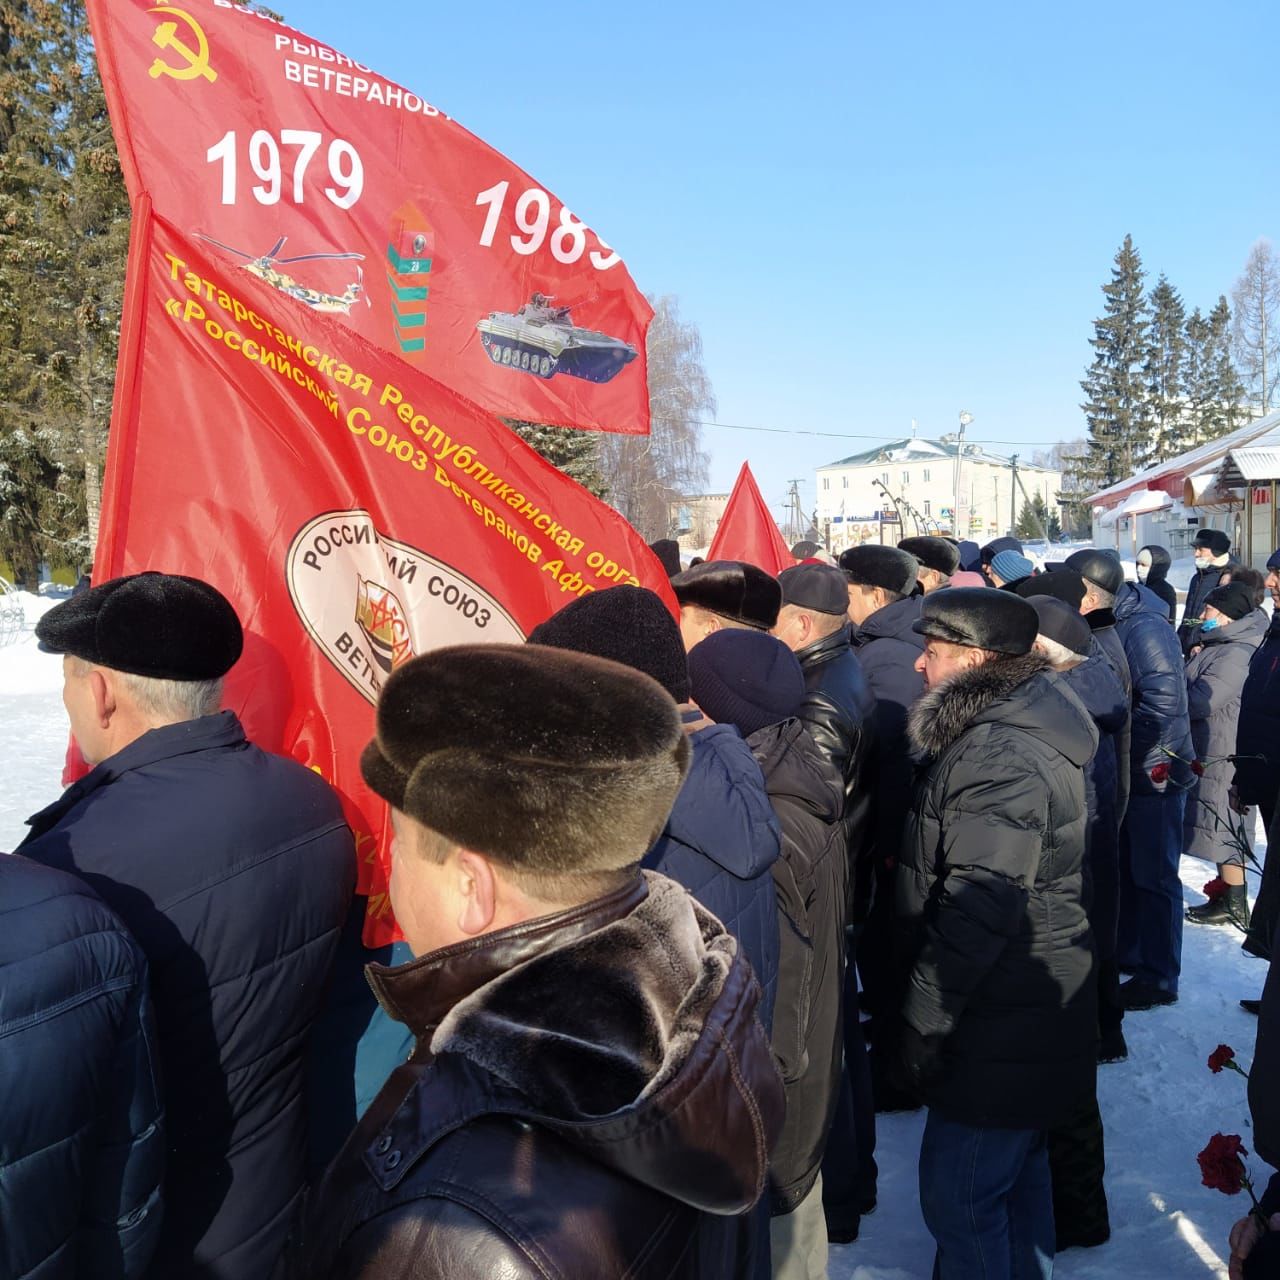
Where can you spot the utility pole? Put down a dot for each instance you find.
(1013, 497)
(795, 517)
(962, 527)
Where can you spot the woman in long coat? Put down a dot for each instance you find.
(1232, 630)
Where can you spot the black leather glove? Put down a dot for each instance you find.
(921, 1055)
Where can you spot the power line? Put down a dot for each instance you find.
(837, 435)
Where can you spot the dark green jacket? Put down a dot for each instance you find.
(992, 924)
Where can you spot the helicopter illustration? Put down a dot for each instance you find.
(265, 268)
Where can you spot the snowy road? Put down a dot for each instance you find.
(1159, 1107)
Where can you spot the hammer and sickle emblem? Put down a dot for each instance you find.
(166, 37)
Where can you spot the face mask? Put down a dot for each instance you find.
(1203, 560)
(1210, 624)
(1143, 570)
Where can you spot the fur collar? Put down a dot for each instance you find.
(943, 714)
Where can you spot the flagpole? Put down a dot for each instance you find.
(117, 479)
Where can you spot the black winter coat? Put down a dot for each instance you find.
(591, 1095)
(720, 842)
(81, 1125)
(839, 711)
(992, 925)
(887, 648)
(1215, 679)
(1161, 729)
(1102, 622)
(1157, 579)
(811, 878)
(234, 870)
(1258, 729)
(1103, 696)
(1202, 582)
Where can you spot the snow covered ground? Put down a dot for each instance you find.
(1160, 1107)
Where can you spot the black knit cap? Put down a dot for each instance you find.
(630, 625)
(1102, 568)
(1213, 540)
(820, 587)
(161, 625)
(746, 679)
(1062, 584)
(1060, 622)
(876, 566)
(1233, 598)
(732, 589)
(979, 618)
(545, 760)
(933, 553)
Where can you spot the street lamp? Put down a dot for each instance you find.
(962, 511)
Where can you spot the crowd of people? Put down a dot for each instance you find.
(685, 903)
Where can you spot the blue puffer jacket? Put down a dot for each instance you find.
(234, 870)
(721, 842)
(1258, 730)
(81, 1135)
(1161, 727)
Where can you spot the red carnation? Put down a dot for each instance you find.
(1221, 1163)
(1197, 768)
(1160, 774)
(1222, 1056)
(1215, 888)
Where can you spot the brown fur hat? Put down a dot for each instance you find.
(548, 761)
(732, 589)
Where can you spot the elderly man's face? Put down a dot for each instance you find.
(941, 660)
(1272, 584)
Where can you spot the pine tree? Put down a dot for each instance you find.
(1226, 392)
(1197, 383)
(1035, 520)
(1166, 348)
(1118, 408)
(576, 453)
(63, 234)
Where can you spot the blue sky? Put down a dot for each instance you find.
(872, 212)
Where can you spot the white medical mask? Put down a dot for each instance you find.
(1203, 559)
(1143, 570)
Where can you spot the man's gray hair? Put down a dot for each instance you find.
(1106, 599)
(1057, 652)
(173, 700)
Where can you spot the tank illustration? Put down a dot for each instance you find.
(542, 340)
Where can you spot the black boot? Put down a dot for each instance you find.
(1231, 907)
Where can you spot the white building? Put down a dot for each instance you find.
(911, 486)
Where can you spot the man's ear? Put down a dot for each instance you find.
(104, 696)
(477, 892)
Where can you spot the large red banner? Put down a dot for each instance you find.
(353, 197)
(355, 511)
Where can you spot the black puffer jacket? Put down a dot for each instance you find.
(234, 870)
(839, 711)
(1202, 582)
(81, 1132)
(991, 921)
(591, 1095)
(1157, 577)
(1215, 679)
(811, 879)
(1161, 729)
(1258, 730)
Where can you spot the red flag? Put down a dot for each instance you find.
(747, 531)
(354, 197)
(353, 510)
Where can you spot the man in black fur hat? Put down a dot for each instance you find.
(233, 868)
(1211, 551)
(725, 593)
(591, 1093)
(938, 558)
(989, 905)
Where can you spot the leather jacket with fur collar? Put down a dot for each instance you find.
(591, 1095)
